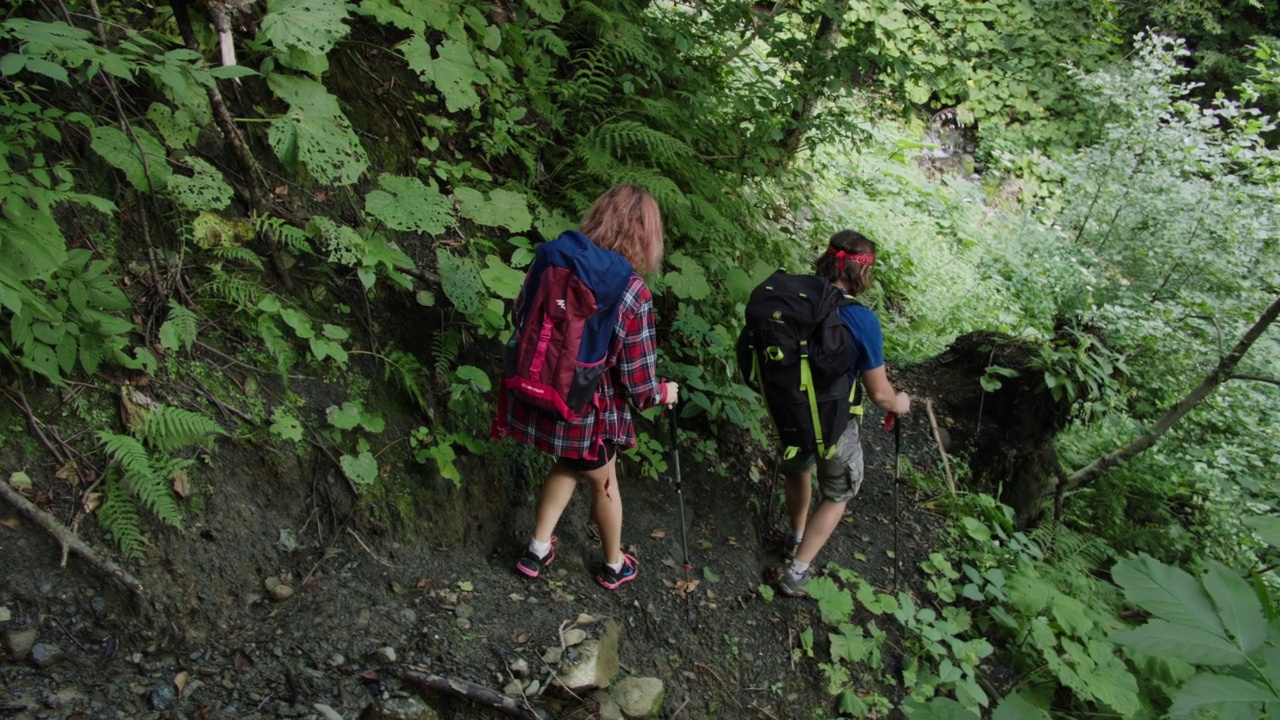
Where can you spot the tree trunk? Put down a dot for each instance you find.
(814, 78)
(1220, 374)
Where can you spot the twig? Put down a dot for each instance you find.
(234, 411)
(757, 708)
(723, 684)
(382, 562)
(67, 540)
(556, 677)
(471, 691)
(937, 436)
(676, 714)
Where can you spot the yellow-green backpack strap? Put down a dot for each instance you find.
(806, 385)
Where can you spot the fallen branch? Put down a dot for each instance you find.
(470, 691)
(942, 450)
(67, 540)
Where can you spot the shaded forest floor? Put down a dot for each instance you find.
(209, 640)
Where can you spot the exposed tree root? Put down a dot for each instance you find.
(68, 540)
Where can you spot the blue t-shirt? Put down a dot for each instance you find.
(868, 339)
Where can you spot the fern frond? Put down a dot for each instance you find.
(118, 515)
(406, 370)
(132, 457)
(622, 138)
(236, 291)
(183, 323)
(275, 343)
(168, 428)
(446, 347)
(155, 493)
(232, 253)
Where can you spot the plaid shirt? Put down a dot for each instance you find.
(632, 360)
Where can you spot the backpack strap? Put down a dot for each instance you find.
(806, 385)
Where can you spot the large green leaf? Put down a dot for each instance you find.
(204, 190)
(453, 71)
(406, 203)
(1237, 604)
(1267, 527)
(1016, 707)
(503, 208)
(118, 148)
(1213, 689)
(504, 281)
(461, 281)
(1163, 638)
(310, 26)
(689, 282)
(32, 246)
(1167, 592)
(315, 133)
(938, 708)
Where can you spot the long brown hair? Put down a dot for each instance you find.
(848, 257)
(626, 219)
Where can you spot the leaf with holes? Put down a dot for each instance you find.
(204, 190)
(453, 71)
(503, 208)
(504, 281)
(310, 26)
(406, 203)
(462, 283)
(315, 134)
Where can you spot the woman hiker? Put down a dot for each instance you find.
(626, 221)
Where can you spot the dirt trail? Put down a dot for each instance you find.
(210, 625)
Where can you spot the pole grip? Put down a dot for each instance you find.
(889, 421)
(673, 411)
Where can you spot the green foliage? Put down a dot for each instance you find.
(1217, 622)
(180, 329)
(315, 134)
(406, 203)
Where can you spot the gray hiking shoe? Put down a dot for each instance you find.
(794, 586)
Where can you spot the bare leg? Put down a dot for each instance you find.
(557, 491)
(824, 521)
(606, 509)
(799, 492)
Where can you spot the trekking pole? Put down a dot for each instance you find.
(890, 424)
(675, 465)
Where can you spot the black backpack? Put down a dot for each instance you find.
(797, 352)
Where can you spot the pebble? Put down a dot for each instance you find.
(551, 655)
(520, 668)
(585, 619)
(337, 660)
(161, 696)
(574, 636)
(385, 655)
(465, 611)
(44, 655)
(533, 687)
(464, 624)
(19, 642)
(280, 592)
(512, 689)
(408, 616)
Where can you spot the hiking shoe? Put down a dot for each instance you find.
(531, 565)
(793, 586)
(610, 579)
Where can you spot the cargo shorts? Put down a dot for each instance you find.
(839, 476)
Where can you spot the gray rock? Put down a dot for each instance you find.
(520, 668)
(513, 689)
(639, 697)
(161, 696)
(385, 655)
(533, 687)
(19, 642)
(280, 592)
(551, 655)
(44, 655)
(596, 663)
(464, 624)
(609, 709)
(574, 636)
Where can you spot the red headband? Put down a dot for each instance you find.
(859, 258)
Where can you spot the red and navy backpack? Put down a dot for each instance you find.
(557, 353)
